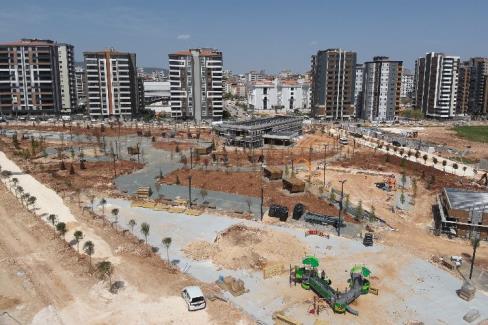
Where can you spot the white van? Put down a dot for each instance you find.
(194, 298)
(66, 118)
(343, 141)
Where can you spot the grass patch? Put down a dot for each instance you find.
(473, 133)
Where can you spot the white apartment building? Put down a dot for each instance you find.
(282, 96)
(381, 89)
(67, 80)
(408, 82)
(358, 88)
(80, 83)
(196, 84)
(436, 87)
(112, 86)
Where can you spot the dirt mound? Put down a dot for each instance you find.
(242, 247)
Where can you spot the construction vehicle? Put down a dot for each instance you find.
(368, 239)
(484, 180)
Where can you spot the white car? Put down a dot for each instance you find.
(194, 298)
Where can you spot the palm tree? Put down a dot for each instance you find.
(106, 270)
(52, 218)
(132, 223)
(167, 243)
(24, 198)
(19, 190)
(145, 229)
(14, 182)
(444, 164)
(475, 242)
(61, 228)
(89, 249)
(115, 213)
(78, 236)
(103, 202)
(31, 200)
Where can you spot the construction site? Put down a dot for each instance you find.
(278, 222)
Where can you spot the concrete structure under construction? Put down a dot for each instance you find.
(279, 130)
(463, 213)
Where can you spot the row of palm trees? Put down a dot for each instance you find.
(144, 228)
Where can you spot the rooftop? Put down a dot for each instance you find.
(467, 200)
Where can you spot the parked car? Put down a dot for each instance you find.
(194, 298)
(368, 239)
(396, 143)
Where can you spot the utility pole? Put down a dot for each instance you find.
(191, 158)
(262, 202)
(325, 159)
(340, 207)
(189, 191)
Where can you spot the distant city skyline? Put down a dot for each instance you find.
(255, 35)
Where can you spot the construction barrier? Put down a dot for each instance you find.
(316, 232)
(273, 270)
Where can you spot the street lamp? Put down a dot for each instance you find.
(340, 207)
(189, 190)
(325, 159)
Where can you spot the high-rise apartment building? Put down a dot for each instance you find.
(358, 89)
(196, 84)
(112, 86)
(463, 92)
(333, 83)
(30, 77)
(436, 77)
(381, 89)
(80, 82)
(408, 84)
(67, 79)
(478, 86)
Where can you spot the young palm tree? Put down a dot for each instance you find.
(78, 235)
(19, 190)
(14, 182)
(103, 202)
(52, 218)
(132, 223)
(89, 249)
(61, 228)
(31, 200)
(115, 214)
(167, 243)
(106, 270)
(145, 229)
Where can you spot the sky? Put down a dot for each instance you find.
(255, 34)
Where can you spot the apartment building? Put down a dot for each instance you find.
(112, 85)
(478, 86)
(333, 84)
(436, 85)
(196, 84)
(407, 85)
(80, 83)
(156, 96)
(381, 89)
(281, 96)
(30, 77)
(463, 91)
(358, 89)
(67, 79)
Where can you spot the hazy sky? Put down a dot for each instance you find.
(270, 35)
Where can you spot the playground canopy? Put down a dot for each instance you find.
(363, 270)
(310, 260)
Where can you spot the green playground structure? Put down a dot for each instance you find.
(309, 278)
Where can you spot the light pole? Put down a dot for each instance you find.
(325, 159)
(189, 190)
(340, 207)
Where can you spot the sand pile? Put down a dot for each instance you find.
(242, 247)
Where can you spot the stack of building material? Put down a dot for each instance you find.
(294, 185)
(467, 291)
(143, 192)
(233, 285)
(278, 211)
(272, 173)
(298, 211)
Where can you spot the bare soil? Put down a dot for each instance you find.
(241, 247)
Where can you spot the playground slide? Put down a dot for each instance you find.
(337, 300)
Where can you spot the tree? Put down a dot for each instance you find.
(184, 160)
(359, 209)
(132, 224)
(61, 228)
(435, 161)
(332, 195)
(115, 214)
(347, 203)
(402, 198)
(425, 157)
(53, 219)
(475, 243)
(455, 166)
(31, 200)
(78, 235)
(414, 187)
(89, 249)
(145, 229)
(71, 170)
(372, 215)
(404, 179)
(464, 170)
(106, 269)
(103, 202)
(444, 164)
(24, 198)
(203, 194)
(19, 190)
(167, 243)
(417, 155)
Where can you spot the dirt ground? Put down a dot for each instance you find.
(447, 136)
(241, 247)
(173, 145)
(249, 184)
(92, 131)
(43, 280)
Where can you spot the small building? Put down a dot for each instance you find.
(462, 213)
(272, 173)
(293, 185)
